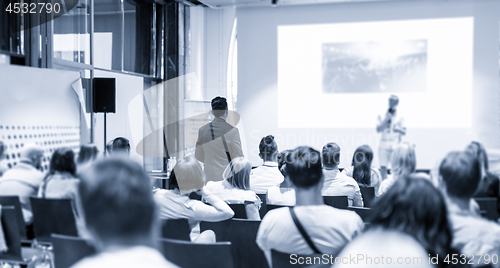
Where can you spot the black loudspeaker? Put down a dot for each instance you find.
(104, 92)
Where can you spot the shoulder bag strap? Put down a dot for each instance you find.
(303, 232)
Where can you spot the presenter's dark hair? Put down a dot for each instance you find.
(304, 167)
(268, 148)
(331, 154)
(117, 199)
(415, 207)
(461, 174)
(362, 162)
(88, 152)
(121, 144)
(219, 106)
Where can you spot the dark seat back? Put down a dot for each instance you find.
(52, 216)
(364, 213)
(246, 253)
(68, 250)
(11, 232)
(488, 206)
(336, 201)
(240, 211)
(176, 229)
(195, 196)
(13, 200)
(368, 194)
(193, 255)
(220, 228)
(285, 260)
(263, 208)
(271, 207)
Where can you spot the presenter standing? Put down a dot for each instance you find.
(391, 129)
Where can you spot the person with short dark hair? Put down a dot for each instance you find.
(459, 176)
(337, 183)
(328, 228)
(361, 169)
(121, 216)
(121, 146)
(218, 142)
(284, 193)
(267, 175)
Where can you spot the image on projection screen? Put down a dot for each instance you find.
(370, 67)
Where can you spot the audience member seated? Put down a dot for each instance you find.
(415, 207)
(460, 174)
(61, 183)
(87, 155)
(268, 175)
(397, 247)
(187, 177)
(337, 183)
(361, 169)
(403, 162)
(328, 228)
(109, 147)
(121, 147)
(489, 185)
(3, 165)
(24, 179)
(284, 193)
(120, 213)
(235, 188)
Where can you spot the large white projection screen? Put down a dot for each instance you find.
(341, 74)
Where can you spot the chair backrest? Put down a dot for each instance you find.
(13, 200)
(11, 232)
(176, 229)
(285, 260)
(336, 201)
(488, 206)
(194, 195)
(368, 194)
(246, 253)
(193, 255)
(364, 213)
(240, 211)
(52, 216)
(263, 208)
(271, 207)
(68, 250)
(220, 228)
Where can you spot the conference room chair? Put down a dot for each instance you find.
(488, 207)
(263, 208)
(68, 250)
(270, 207)
(52, 216)
(363, 212)
(284, 260)
(336, 201)
(368, 194)
(194, 255)
(246, 253)
(240, 211)
(220, 228)
(176, 229)
(194, 195)
(13, 200)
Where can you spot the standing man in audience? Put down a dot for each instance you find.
(24, 179)
(268, 175)
(218, 142)
(121, 216)
(459, 176)
(337, 183)
(325, 229)
(391, 129)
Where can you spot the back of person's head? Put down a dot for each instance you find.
(304, 167)
(403, 160)
(477, 149)
(268, 148)
(362, 162)
(460, 173)
(32, 153)
(330, 155)
(187, 175)
(121, 145)
(219, 106)
(282, 162)
(241, 177)
(414, 206)
(63, 160)
(109, 146)
(88, 153)
(117, 201)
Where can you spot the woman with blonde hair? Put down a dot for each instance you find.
(403, 163)
(235, 188)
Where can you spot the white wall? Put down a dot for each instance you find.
(258, 68)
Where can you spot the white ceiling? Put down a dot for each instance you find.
(242, 3)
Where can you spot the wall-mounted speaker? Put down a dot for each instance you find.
(104, 92)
